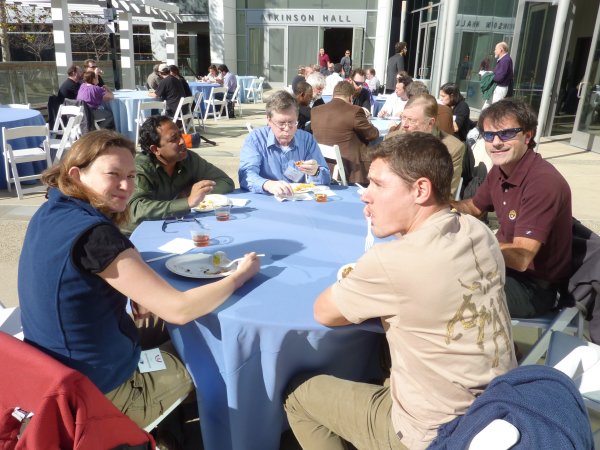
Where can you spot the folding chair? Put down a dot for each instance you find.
(197, 112)
(185, 115)
(333, 152)
(71, 133)
(255, 90)
(235, 100)
(31, 154)
(212, 103)
(249, 127)
(141, 116)
(65, 112)
(10, 321)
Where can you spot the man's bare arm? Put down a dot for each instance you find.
(466, 207)
(326, 312)
(519, 254)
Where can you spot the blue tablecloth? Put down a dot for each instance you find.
(125, 108)
(243, 355)
(197, 86)
(244, 81)
(383, 125)
(16, 117)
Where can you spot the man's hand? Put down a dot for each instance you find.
(309, 167)
(199, 191)
(280, 188)
(383, 113)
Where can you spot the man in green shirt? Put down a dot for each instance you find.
(170, 180)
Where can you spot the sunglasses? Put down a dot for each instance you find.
(358, 83)
(171, 220)
(504, 135)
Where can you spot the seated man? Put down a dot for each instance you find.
(333, 79)
(394, 104)
(448, 338)
(93, 95)
(70, 87)
(229, 81)
(362, 95)
(342, 123)
(169, 89)
(304, 95)
(275, 155)
(91, 65)
(532, 201)
(170, 179)
(420, 114)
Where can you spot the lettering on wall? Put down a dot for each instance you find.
(305, 17)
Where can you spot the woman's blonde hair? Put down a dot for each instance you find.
(83, 153)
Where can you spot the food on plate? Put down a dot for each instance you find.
(206, 204)
(218, 258)
(347, 271)
(300, 187)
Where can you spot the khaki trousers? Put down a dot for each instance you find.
(145, 396)
(325, 413)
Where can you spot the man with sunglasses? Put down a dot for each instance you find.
(275, 155)
(170, 180)
(362, 95)
(92, 66)
(532, 201)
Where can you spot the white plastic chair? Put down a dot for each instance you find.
(197, 112)
(71, 133)
(165, 413)
(333, 152)
(65, 112)
(19, 105)
(185, 115)
(14, 157)
(255, 90)
(235, 100)
(10, 321)
(212, 103)
(249, 127)
(141, 115)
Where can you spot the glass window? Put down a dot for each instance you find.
(369, 53)
(303, 47)
(344, 4)
(371, 24)
(276, 54)
(241, 22)
(256, 43)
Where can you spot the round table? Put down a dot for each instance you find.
(125, 108)
(17, 117)
(244, 82)
(205, 88)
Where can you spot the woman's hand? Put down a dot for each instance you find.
(246, 269)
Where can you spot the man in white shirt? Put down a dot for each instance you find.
(333, 79)
(394, 105)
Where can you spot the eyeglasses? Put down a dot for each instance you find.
(171, 220)
(92, 67)
(282, 125)
(504, 135)
(411, 120)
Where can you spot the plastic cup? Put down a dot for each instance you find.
(223, 212)
(321, 198)
(200, 237)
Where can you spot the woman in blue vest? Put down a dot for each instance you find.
(77, 270)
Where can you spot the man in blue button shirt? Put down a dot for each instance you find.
(276, 155)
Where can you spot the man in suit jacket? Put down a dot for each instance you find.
(342, 123)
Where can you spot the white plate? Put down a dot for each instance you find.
(195, 265)
(209, 202)
(341, 270)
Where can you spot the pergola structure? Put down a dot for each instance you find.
(121, 11)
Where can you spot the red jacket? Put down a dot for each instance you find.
(69, 412)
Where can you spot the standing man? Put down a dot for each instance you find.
(532, 201)
(395, 65)
(169, 89)
(346, 63)
(448, 339)
(170, 179)
(362, 95)
(323, 60)
(70, 87)
(275, 155)
(339, 122)
(503, 74)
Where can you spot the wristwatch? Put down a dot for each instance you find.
(317, 172)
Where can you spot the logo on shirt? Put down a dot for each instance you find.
(512, 214)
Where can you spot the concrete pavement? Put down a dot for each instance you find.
(580, 168)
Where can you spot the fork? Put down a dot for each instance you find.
(370, 239)
(235, 261)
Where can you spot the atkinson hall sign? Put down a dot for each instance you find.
(306, 17)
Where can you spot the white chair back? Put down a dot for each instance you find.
(212, 103)
(333, 152)
(235, 100)
(185, 114)
(20, 105)
(10, 321)
(197, 112)
(12, 157)
(142, 116)
(71, 133)
(249, 127)
(65, 112)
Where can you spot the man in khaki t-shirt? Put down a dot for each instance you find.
(438, 290)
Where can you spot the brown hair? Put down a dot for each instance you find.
(89, 77)
(83, 153)
(343, 89)
(426, 102)
(418, 155)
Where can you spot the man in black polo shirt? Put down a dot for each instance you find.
(532, 201)
(169, 89)
(70, 87)
(362, 95)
